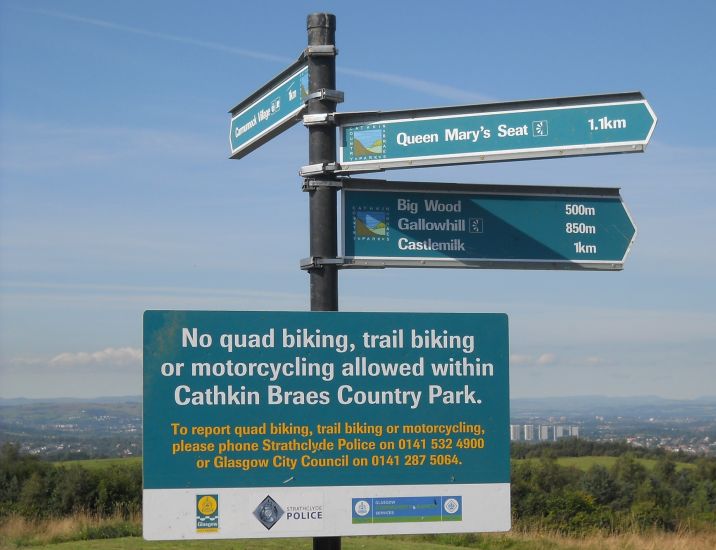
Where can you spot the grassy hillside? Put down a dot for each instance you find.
(102, 463)
(511, 541)
(584, 463)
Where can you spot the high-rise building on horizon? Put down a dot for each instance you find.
(529, 432)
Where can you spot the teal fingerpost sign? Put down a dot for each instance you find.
(294, 399)
(496, 230)
(273, 111)
(405, 139)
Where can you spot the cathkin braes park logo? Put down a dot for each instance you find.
(369, 144)
(370, 224)
(207, 513)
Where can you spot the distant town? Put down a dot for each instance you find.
(541, 432)
(112, 427)
(72, 429)
(680, 426)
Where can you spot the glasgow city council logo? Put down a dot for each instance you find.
(451, 505)
(207, 513)
(268, 512)
(362, 508)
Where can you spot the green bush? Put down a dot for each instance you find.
(36, 489)
(625, 497)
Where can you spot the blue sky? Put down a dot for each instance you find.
(117, 195)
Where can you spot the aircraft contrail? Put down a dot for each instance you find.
(406, 82)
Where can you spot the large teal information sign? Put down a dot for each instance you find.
(616, 123)
(324, 423)
(522, 227)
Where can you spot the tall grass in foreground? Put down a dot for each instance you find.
(16, 531)
(546, 540)
(20, 531)
(656, 540)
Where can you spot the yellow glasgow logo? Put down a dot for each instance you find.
(207, 505)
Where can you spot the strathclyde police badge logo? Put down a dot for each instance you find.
(268, 512)
(207, 513)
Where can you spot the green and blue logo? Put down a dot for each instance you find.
(207, 513)
(370, 223)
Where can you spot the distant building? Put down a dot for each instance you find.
(560, 432)
(541, 432)
(529, 432)
(544, 433)
(565, 431)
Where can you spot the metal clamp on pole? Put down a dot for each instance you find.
(310, 184)
(314, 262)
(331, 95)
(319, 119)
(317, 169)
(329, 49)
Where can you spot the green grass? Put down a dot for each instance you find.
(137, 543)
(586, 462)
(438, 542)
(512, 541)
(102, 463)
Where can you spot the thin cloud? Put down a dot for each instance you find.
(520, 360)
(542, 360)
(406, 82)
(105, 357)
(79, 147)
(546, 359)
(415, 84)
(164, 36)
(72, 290)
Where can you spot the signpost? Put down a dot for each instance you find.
(405, 224)
(324, 424)
(589, 125)
(270, 110)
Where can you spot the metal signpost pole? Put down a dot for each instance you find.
(322, 150)
(322, 199)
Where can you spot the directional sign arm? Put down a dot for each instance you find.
(587, 125)
(410, 224)
(270, 110)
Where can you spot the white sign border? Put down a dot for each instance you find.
(170, 514)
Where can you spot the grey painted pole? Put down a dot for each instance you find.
(322, 201)
(322, 149)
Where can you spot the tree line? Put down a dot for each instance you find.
(574, 446)
(34, 488)
(624, 497)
